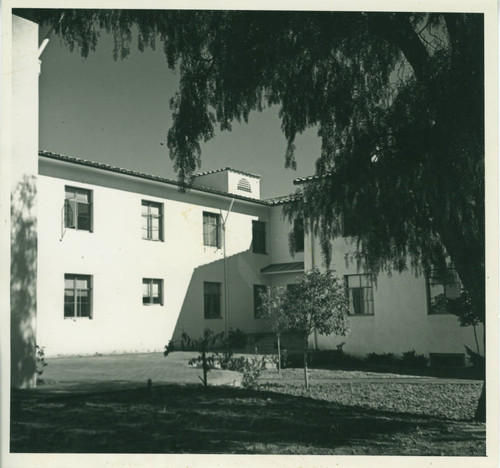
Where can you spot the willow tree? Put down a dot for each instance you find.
(397, 100)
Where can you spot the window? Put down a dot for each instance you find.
(152, 291)
(211, 293)
(244, 185)
(360, 294)
(211, 229)
(259, 237)
(152, 221)
(258, 289)
(78, 209)
(298, 235)
(77, 296)
(443, 291)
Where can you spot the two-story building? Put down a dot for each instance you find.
(106, 260)
(127, 262)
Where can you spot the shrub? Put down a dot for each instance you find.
(414, 360)
(40, 360)
(252, 370)
(477, 361)
(380, 359)
(237, 338)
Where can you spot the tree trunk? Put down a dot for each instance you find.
(475, 337)
(279, 353)
(306, 376)
(205, 367)
(481, 405)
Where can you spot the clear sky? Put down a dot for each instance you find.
(118, 113)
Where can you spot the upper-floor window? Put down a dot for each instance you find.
(152, 291)
(152, 220)
(259, 237)
(211, 229)
(244, 185)
(78, 209)
(298, 235)
(212, 300)
(359, 290)
(443, 291)
(77, 296)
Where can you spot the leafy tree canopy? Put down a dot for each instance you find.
(397, 100)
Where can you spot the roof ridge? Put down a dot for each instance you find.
(238, 171)
(142, 175)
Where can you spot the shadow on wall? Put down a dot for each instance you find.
(23, 270)
(243, 272)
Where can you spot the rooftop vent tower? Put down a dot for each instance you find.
(230, 181)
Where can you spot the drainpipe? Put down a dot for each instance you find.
(226, 321)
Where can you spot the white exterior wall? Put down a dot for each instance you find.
(279, 230)
(22, 169)
(401, 321)
(232, 185)
(118, 258)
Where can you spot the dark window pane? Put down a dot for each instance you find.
(298, 235)
(359, 290)
(259, 236)
(212, 305)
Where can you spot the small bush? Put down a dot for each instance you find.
(237, 338)
(380, 359)
(285, 361)
(252, 369)
(40, 360)
(413, 360)
(477, 361)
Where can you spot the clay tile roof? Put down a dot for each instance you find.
(118, 170)
(248, 174)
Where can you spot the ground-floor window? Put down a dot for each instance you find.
(258, 289)
(152, 291)
(443, 291)
(212, 302)
(77, 296)
(359, 290)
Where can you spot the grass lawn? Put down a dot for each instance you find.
(339, 415)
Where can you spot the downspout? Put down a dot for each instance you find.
(226, 311)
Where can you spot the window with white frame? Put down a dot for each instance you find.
(78, 209)
(212, 300)
(443, 291)
(211, 229)
(359, 289)
(152, 291)
(77, 296)
(152, 220)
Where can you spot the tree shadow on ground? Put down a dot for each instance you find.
(185, 419)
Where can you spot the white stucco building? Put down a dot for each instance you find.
(123, 262)
(126, 262)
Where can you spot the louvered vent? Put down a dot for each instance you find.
(244, 185)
